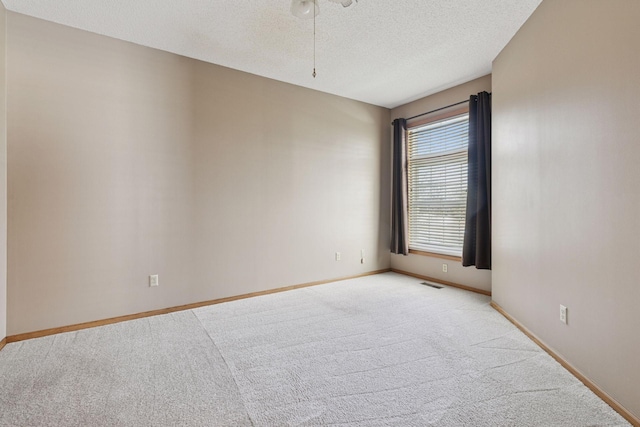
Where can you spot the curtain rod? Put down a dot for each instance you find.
(437, 109)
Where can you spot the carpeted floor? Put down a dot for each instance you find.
(376, 351)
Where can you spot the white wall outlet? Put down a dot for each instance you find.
(563, 314)
(337, 256)
(444, 268)
(153, 280)
(362, 256)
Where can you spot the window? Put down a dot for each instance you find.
(437, 173)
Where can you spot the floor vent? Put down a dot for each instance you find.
(431, 285)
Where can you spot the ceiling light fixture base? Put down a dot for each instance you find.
(305, 9)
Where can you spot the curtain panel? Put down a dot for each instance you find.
(477, 236)
(399, 229)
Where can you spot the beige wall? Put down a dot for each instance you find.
(126, 161)
(565, 186)
(430, 266)
(3, 173)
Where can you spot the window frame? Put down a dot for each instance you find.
(458, 111)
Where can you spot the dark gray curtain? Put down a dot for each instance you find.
(399, 234)
(477, 235)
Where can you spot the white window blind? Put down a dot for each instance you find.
(437, 154)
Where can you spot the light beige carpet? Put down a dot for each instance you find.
(376, 351)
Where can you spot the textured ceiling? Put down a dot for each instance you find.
(384, 52)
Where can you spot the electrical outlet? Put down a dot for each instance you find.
(337, 256)
(563, 314)
(444, 268)
(153, 280)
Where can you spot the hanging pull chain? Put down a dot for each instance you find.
(314, 39)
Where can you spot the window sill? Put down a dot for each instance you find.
(435, 255)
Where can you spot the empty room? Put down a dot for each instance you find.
(319, 213)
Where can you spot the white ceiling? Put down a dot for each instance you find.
(384, 52)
